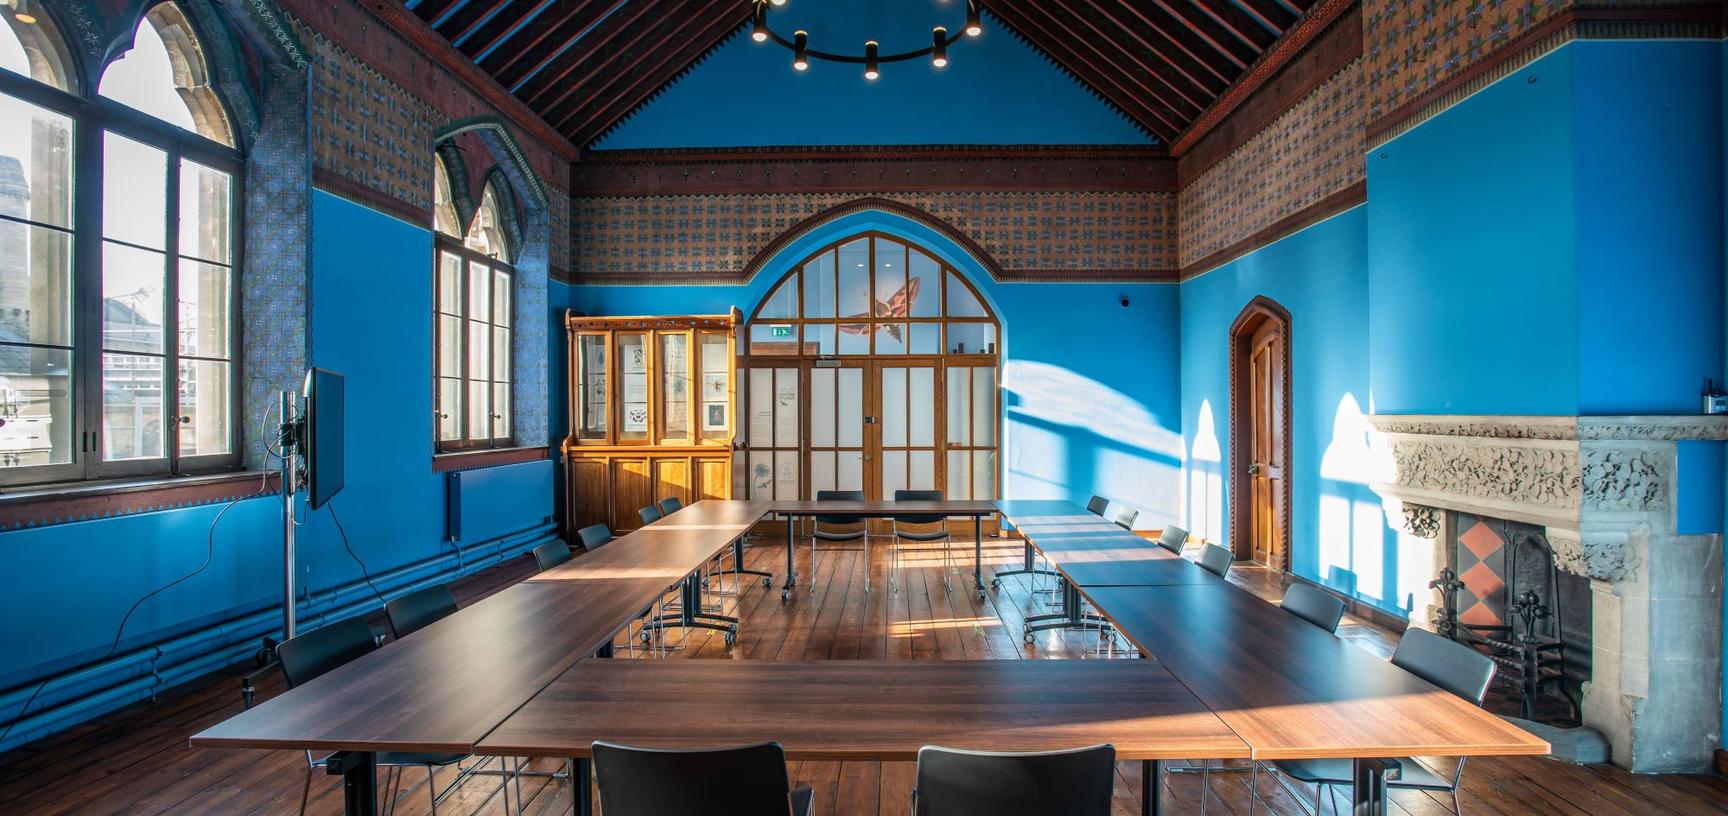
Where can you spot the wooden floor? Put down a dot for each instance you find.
(136, 760)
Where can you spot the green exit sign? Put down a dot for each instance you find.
(780, 331)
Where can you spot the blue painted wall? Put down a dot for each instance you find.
(995, 90)
(1089, 387)
(371, 307)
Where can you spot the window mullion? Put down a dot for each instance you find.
(171, 313)
(87, 187)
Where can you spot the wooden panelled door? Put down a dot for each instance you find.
(1265, 406)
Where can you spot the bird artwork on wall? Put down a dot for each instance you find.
(897, 306)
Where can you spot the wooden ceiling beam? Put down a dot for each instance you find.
(1207, 85)
(628, 22)
(1162, 120)
(1215, 34)
(470, 16)
(1242, 25)
(1059, 31)
(1191, 39)
(431, 10)
(512, 65)
(628, 99)
(499, 28)
(651, 51)
(1270, 14)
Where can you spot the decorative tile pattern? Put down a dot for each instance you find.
(367, 129)
(1481, 554)
(1315, 149)
(685, 238)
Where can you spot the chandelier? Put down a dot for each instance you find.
(871, 59)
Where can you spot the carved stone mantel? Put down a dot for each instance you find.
(1605, 489)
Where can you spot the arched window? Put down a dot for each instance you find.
(137, 377)
(895, 354)
(473, 291)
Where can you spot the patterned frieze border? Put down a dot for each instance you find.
(1628, 428)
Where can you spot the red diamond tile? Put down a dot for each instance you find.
(1479, 615)
(1481, 540)
(1481, 581)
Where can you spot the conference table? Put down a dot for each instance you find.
(861, 510)
(1227, 675)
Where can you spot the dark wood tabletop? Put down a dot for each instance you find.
(882, 509)
(668, 553)
(1292, 690)
(868, 710)
(1019, 512)
(444, 687)
(1092, 551)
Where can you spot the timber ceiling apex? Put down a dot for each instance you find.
(586, 66)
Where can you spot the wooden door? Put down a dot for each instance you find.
(1266, 443)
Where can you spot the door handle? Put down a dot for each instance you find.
(1254, 469)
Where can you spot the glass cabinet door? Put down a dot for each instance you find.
(633, 386)
(591, 400)
(674, 385)
(714, 385)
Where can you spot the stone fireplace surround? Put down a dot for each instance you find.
(1605, 488)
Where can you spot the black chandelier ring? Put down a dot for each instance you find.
(799, 45)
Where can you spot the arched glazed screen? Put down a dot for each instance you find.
(872, 366)
(473, 289)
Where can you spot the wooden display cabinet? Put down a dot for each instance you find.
(653, 414)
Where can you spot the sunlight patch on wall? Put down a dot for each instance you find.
(1205, 494)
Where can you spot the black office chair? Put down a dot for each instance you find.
(418, 609)
(551, 554)
(856, 530)
(306, 656)
(923, 536)
(671, 505)
(1452, 666)
(746, 781)
(1173, 538)
(650, 514)
(593, 537)
(1216, 560)
(1314, 605)
(975, 783)
(1125, 518)
(1097, 505)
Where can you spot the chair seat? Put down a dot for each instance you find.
(1416, 776)
(830, 535)
(934, 535)
(406, 758)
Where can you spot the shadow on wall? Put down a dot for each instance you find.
(1069, 436)
(1360, 553)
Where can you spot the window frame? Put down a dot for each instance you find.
(93, 116)
(444, 244)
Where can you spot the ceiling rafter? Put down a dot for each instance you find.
(646, 88)
(516, 64)
(1175, 64)
(1053, 31)
(642, 48)
(626, 21)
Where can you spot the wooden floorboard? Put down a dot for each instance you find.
(136, 761)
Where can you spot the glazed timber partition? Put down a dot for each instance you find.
(1281, 688)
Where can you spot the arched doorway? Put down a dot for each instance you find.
(1260, 473)
(870, 365)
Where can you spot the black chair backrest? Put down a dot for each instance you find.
(308, 655)
(1097, 505)
(838, 495)
(919, 495)
(551, 554)
(1173, 538)
(594, 536)
(972, 783)
(1314, 605)
(1216, 560)
(1452, 666)
(650, 514)
(670, 506)
(746, 781)
(1125, 518)
(418, 609)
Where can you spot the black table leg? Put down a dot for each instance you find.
(604, 651)
(581, 786)
(1369, 791)
(1149, 787)
(791, 574)
(978, 555)
(359, 771)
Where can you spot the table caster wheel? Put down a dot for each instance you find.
(731, 637)
(995, 583)
(981, 595)
(785, 594)
(646, 637)
(1027, 636)
(767, 582)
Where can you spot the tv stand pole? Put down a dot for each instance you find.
(289, 439)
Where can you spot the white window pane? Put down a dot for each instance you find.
(921, 423)
(761, 408)
(961, 301)
(479, 410)
(921, 467)
(774, 339)
(205, 292)
(849, 470)
(132, 407)
(674, 386)
(894, 407)
(132, 299)
(891, 294)
(501, 411)
(923, 269)
(786, 476)
(782, 302)
(983, 475)
(959, 477)
(500, 354)
(143, 79)
(891, 338)
(957, 410)
(853, 274)
(206, 198)
(450, 284)
(37, 385)
(501, 297)
(850, 414)
(40, 141)
(819, 286)
(786, 408)
(822, 386)
(971, 338)
(449, 346)
(36, 283)
(479, 291)
(450, 408)
(893, 473)
(854, 338)
(479, 350)
(206, 397)
(925, 338)
(821, 471)
(762, 475)
(134, 192)
(984, 406)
